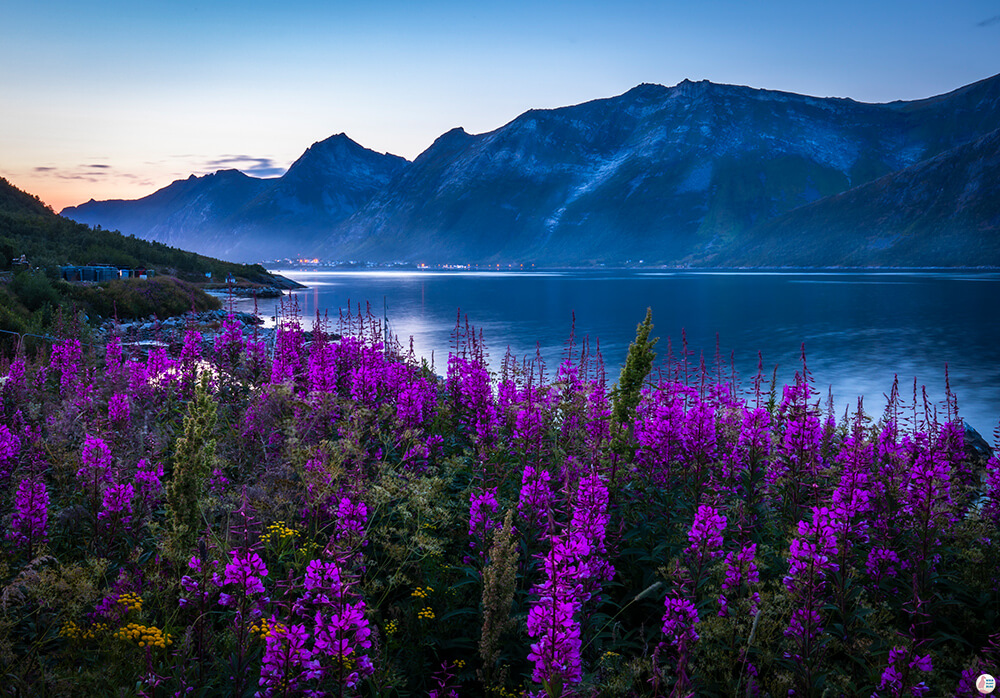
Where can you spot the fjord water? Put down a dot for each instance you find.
(859, 329)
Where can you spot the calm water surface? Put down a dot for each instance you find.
(859, 329)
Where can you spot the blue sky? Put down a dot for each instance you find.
(116, 99)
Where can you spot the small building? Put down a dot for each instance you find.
(91, 273)
(137, 273)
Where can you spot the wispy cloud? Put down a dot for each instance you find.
(89, 172)
(257, 167)
(995, 19)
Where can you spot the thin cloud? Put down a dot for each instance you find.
(90, 172)
(257, 167)
(989, 22)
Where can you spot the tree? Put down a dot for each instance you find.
(194, 458)
(626, 394)
(638, 365)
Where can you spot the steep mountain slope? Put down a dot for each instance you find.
(657, 173)
(231, 215)
(944, 211)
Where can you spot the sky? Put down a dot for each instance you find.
(113, 99)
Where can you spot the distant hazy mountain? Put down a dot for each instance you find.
(691, 174)
(660, 174)
(231, 215)
(177, 214)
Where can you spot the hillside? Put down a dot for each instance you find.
(944, 211)
(30, 293)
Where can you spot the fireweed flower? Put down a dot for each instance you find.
(552, 618)
(705, 536)
(699, 439)
(896, 678)
(659, 431)
(535, 496)
(679, 621)
(469, 386)
(287, 351)
(191, 349)
(812, 556)
(323, 585)
(229, 342)
(202, 585)
(116, 504)
(352, 517)
(286, 659)
(992, 506)
(66, 357)
(119, 411)
(812, 553)
(349, 536)
(416, 402)
(798, 455)
(321, 375)
(95, 471)
(482, 507)
(556, 653)
(588, 524)
(345, 636)
(10, 447)
(113, 359)
(741, 569)
(929, 486)
(590, 511)
(218, 482)
(138, 379)
(96, 459)
(149, 480)
(850, 500)
(31, 514)
(882, 564)
(246, 573)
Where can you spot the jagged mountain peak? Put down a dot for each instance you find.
(340, 149)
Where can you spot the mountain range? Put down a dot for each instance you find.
(695, 174)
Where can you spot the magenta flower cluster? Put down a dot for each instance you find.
(31, 514)
(244, 574)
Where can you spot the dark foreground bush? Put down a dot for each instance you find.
(162, 296)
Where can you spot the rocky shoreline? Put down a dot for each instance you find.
(153, 331)
(150, 332)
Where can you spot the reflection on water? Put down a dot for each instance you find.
(859, 329)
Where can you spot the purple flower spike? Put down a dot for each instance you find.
(246, 573)
(705, 535)
(31, 514)
(679, 620)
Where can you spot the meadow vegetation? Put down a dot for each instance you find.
(331, 518)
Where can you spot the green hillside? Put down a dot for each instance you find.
(32, 293)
